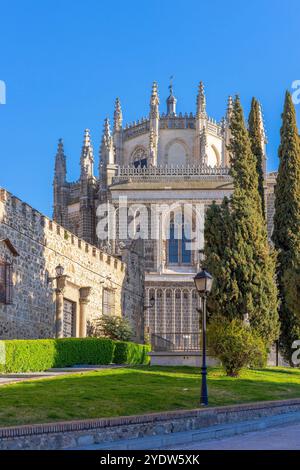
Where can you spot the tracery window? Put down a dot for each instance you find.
(179, 251)
(139, 158)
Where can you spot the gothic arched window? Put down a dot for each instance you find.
(179, 251)
(139, 158)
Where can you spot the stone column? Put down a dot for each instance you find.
(60, 287)
(83, 301)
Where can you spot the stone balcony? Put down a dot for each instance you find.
(194, 172)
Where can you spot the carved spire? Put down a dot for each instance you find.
(203, 147)
(106, 138)
(152, 147)
(154, 125)
(87, 157)
(107, 148)
(118, 117)
(154, 101)
(201, 101)
(171, 100)
(60, 163)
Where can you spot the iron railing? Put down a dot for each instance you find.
(175, 342)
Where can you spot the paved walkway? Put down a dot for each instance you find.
(22, 377)
(286, 437)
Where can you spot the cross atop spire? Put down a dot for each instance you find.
(60, 147)
(118, 117)
(201, 100)
(171, 85)
(171, 100)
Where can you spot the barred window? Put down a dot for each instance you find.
(5, 283)
(178, 246)
(108, 302)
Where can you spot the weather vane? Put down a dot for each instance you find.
(171, 85)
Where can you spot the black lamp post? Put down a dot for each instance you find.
(203, 282)
(145, 308)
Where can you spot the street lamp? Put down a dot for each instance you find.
(59, 271)
(203, 282)
(145, 308)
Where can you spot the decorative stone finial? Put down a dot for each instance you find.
(86, 138)
(60, 163)
(107, 147)
(118, 117)
(87, 156)
(106, 138)
(154, 101)
(201, 100)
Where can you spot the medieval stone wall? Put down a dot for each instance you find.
(42, 245)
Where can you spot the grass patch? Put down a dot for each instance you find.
(137, 390)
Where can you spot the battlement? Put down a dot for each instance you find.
(136, 128)
(25, 219)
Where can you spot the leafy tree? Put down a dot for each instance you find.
(256, 135)
(236, 345)
(286, 235)
(236, 244)
(111, 326)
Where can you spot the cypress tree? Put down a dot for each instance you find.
(286, 234)
(240, 258)
(256, 135)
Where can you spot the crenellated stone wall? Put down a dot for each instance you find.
(35, 245)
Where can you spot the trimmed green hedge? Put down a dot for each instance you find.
(131, 353)
(41, 354)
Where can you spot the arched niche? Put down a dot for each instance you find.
(213, 156)
(176, 153)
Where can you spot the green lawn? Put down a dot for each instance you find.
(137, 390)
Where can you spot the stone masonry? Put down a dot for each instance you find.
(34, 246)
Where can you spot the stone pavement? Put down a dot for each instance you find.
(286, 437)
(23, 376)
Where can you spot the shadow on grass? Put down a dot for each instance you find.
(135, 390)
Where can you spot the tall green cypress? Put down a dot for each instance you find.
(286, 234)
(256, 135)
(245, 276)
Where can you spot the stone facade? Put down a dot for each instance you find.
(33, 245)
(162, 159)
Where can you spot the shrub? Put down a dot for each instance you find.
(113, 327)
(70, 351)
(42, 354)
(27, 355)
(131, 353)
(236, 345)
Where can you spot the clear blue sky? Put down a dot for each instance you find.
(64, 62)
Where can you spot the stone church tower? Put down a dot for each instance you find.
(162, 159)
